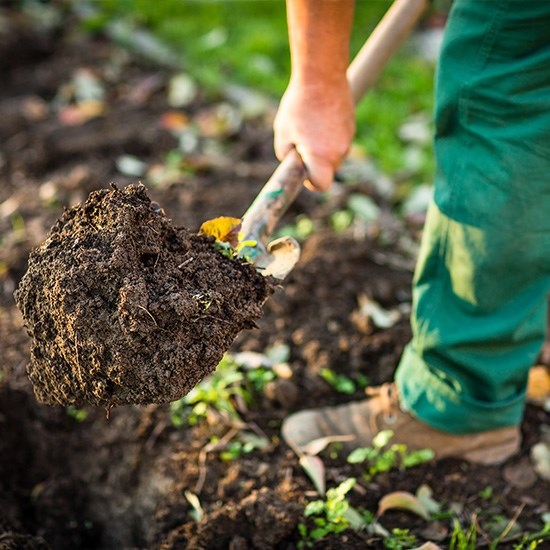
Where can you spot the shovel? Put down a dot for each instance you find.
(277, 258)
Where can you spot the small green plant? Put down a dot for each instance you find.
(486, 493)
(534, 540)
(259, 377)
(216, 393)
(78, 414)
(301, 229)
(381, 459)
(330, 516)
(220, 392)
(339, 382)
(244, 443)
(400, 539)
(463, 539)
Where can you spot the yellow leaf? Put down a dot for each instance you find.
(224, 229)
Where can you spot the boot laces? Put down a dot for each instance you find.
(389, 402)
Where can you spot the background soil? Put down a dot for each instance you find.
(118, 481)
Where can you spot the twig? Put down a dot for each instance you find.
(185, 262)
(480, 530)
(511, 523)
(150, 315)
(209, 447)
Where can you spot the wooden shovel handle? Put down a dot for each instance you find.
(279, 192)
(382, 43)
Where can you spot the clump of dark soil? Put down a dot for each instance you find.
(123, 307)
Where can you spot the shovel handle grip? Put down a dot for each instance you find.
(279, 192)
(272, 201)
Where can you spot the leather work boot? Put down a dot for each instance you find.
(364, 419)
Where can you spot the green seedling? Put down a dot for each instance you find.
(243, 443)
(463, 539)
(532, 541)
(260, 377)
(78, 414)
(221, 393)
(339, 382)
(486, 493)
(330, 516)
(400, 539)
(215, 394)
(301, 229)
(381, 459)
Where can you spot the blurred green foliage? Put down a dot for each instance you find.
(245, 42)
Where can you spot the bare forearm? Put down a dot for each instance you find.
(316, 115)
(319, 32)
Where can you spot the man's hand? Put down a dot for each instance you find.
(316, 114)
(320, 122)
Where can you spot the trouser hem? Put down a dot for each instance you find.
(445, 406)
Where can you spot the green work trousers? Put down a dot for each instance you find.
(483, 276)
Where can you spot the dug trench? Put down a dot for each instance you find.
(124, 308)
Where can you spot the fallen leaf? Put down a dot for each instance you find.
(428, 546)
(315, 446)
(131, 166)
(34, 108)
(251, 103)
(540, 455)
(435, 530)
(143, 43)
(142, 91)
(282, 370)
(278, 353)
(417, 203)
(369, 310)
(522, 474)
(424, 495)
(402, 500)
(315, 469)
(416, 130)
(219, 121)
(174, 121)
(538, 386)
(197, 513)
(76, 115)
(224, 229)
(355, 519)
(363, 207)
(87, 86)
(182, 90)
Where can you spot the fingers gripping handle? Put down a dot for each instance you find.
(262, 216)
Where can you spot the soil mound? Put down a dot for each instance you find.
(123, 307)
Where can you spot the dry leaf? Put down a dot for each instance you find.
(76, 115)
(401, 500)
(223, 229)
(540, 455)
(538, 386)
(315, 446)
(424, 494)
(174, 121)
(521, 474)
(315, 469)
(428, 546)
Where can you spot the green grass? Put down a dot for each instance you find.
(245, 42)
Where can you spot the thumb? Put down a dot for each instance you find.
(320, 171)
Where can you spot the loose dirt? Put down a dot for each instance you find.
(123, 307)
